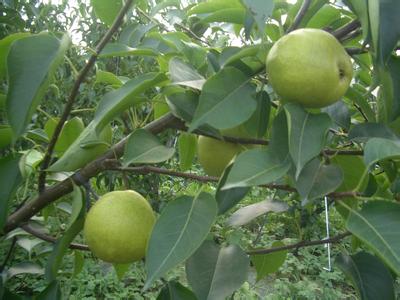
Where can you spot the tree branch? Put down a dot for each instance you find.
(112, 164)
(355, 51)
(74, 93)
(300, 15)
(51, 194)
(346, 29)
(301, 244)
(49, 238)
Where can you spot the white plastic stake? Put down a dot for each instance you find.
(328, 245)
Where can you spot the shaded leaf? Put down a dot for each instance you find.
(228, 15)
(364, 132)
(144, 147)
(260, 10)
(226, 100)
(10, 179)
(377, 224)
(369, 276)
(183, 74)
(32, 62)
(248, 213)
(339, 112)
(255, 167)
(269, 263)
(226, 199)
(175, 291)
(187, 144)
(215, 273)
(317, 179)
(353, 169)
(307, 134)
(181, 228)
(378, 148)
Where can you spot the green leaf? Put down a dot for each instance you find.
(269, 263)
(143, 147)
(79, 261)
(228, 15)
(32, 62)
(377, 224)
(226, 199)
(215, 273)
(260, 10)
(255, 167)
(317, 179)
(307, 133)
(257, 125)
(378, 149)
(325, 16)
(353, 169)
(187, 144)
(183, 74)
(6, 136)
(24, 268)
(183, 103)
(10, 179)
(175, 291)
(69, 133)
(360, 8)
(359, 97)
(226, 100)
(108, 78)
(181, 228)
(340, 113)
(118, 100)
(106, 10)
(87, 147)
(62, 244)
(363, 132)
(164, 4)
(213, 5)
(5, 45)
(51, 292)
(385, 27)
(369, 276)
(117, 49)
(248, 213)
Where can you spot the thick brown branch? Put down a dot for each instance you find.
(346, 29)
(301, 244)
(53, 193)
(300, 15)
(74, 93)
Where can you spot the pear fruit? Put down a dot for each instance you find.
(214, 155)
(309, 67)
(118, 226)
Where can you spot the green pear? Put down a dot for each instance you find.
(118, 226)
(309, 67)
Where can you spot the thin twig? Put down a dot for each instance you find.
(355, 51)
(114, 165)
(300, 15)
(74, 94)
(301, 244)
(346, 29)
(49, 238)
(9, 254)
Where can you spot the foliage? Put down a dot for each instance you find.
(159, 73)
